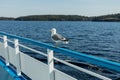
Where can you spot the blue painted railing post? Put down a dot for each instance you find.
(51, 64)
(6, 50)
(18, 60)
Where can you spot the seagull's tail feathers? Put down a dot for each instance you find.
(66, 41)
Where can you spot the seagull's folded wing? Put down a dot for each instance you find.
(58, 37)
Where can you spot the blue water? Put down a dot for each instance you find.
(101, 39)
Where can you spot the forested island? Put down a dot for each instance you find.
(111, 17)
(7, 18)
(53, 18)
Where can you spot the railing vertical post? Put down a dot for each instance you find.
(18, 61)
(51, 64)
(6, 49)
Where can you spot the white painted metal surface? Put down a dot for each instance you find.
(18, 60)
(12, 56)
(62, 76)
(6, 50)
(51, 64)
(33, 68)
(2, 50)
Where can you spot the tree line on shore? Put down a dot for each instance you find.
(111, 17)
(7, 18)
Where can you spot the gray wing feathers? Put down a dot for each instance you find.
(58, 37)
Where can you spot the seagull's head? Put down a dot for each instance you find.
(53, 30)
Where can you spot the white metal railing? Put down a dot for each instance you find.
(22, 63)
(88, 58)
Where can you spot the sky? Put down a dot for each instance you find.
(16, 8)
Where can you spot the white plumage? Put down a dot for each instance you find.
(57, 37)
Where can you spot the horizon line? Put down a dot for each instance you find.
(60, 14)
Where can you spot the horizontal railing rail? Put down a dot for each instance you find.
(69, 64)
(88, 58)
(64, 62)
(49, 56)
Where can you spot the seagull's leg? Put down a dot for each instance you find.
(56, 44)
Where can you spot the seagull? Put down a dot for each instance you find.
(57, 37)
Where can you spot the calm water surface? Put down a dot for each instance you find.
(101, 39)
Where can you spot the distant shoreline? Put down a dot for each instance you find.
(105, 18)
